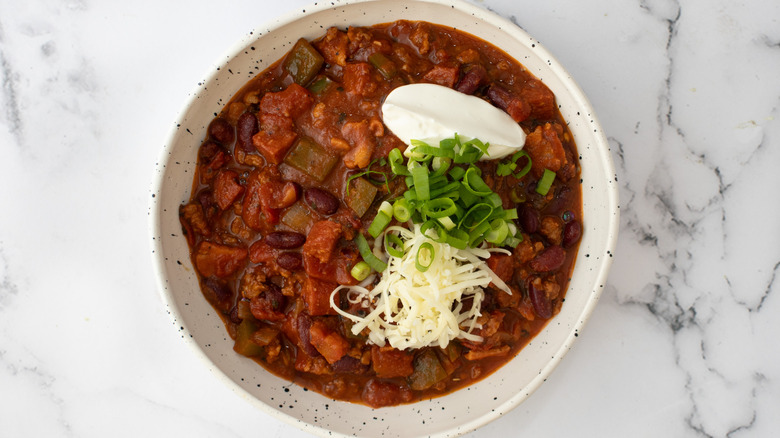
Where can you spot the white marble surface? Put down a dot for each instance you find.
(684, 342)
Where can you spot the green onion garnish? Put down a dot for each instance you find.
(368, 255)
(544, 184)
(402, 210)
(424, 257)
(437, 208)
(447, 196)
(394, 245)
(360, 271)
(420, 179)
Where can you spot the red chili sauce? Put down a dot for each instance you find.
(271, 230)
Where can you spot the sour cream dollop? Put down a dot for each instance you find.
(431, 113)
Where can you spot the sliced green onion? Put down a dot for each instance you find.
(386, 208)
(512, 241)
(454, 201)
(458, 239)
(474, 183)
(475, 142)
(457, 173)
(432, 224)
(477, 235)
(495, 200)
(401, 210)
(440, 165)
(394, 245)
(475, 216)
(360, 271)
(420, 178)
(466, 197)
(498, 232)
(447, 223)
(441, 190)
(544, 184)
(467, 157)
(448, 143)
(424, 257)
(505, 169)
(433, 151)
(527, 168)
(380, 222)
(437, 208)
(368, 255)
(396, 160)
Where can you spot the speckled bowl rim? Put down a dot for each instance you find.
(600, 255)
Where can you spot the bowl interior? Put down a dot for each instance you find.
(456, 413)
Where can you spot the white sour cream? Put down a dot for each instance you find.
(431, 113)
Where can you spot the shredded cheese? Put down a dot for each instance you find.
(412, 309)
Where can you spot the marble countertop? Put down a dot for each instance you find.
(683, 342)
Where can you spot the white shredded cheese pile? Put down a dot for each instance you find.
(413, 309)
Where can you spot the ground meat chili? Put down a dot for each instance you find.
(271, 228)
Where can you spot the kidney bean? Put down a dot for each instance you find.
(218, 293)
(233, 315)
(292, 261)
(472, 79)
(208, 151)
(571, 233)
(303, 323)
(269, 305)
(542, 305)
(321, 201)
(348, 364)
(247, 126)
(529, 218)
(285, 240)
(274, 295)
(550, 259)
(221, 130)
(516, 107)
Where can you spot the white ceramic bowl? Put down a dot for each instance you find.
(456, 413)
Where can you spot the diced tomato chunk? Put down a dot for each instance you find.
(336, 270)
(363, 143)
(251, 211)
(311, 364)
(540, 98)
(331, 345)
(391, 362)
(274, 144)
(442, 75)
(290, 102)
(378, 393)
(269, 305)
(501, 265)
(546, 150)
(316, 296)
(275, 122)
(322, 240)
(334, 46)
(213, 259)
(358, 79)
(262, 194)
(227, 188)
(261, 252)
